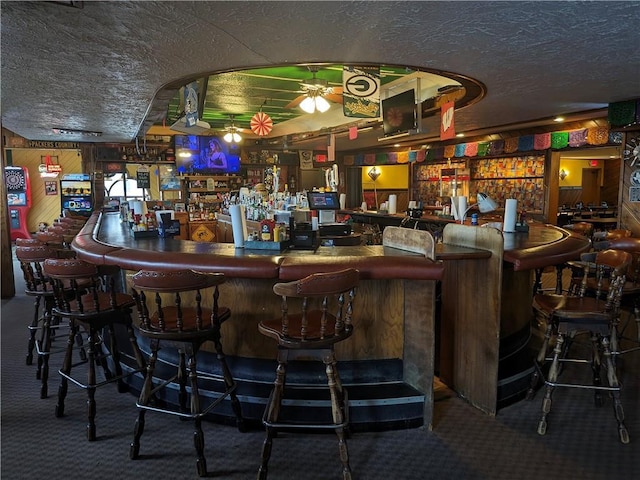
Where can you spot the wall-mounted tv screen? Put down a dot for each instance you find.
(208, 155)
(399, 113)
(323, 200)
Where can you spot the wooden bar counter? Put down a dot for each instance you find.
(485, 323)
(387, 365)
(488, 335)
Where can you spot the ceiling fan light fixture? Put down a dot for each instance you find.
(232, 136)
(312, 103)
(308, 105)
(322, 105)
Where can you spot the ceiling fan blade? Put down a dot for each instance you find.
(295, 102)
(332, 97)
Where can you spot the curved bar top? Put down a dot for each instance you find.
(542, 246)
(104, 240)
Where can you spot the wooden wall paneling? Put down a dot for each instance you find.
(44, 208)
(471, 317)
(628, 212)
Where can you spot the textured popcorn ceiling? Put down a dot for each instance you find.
(100, 67)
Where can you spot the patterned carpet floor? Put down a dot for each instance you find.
(465, 444)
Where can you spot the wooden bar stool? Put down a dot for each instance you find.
(569, 315)
(32, 254)
(325, 303)
(96, 307)
(622, 341)
(169, 323)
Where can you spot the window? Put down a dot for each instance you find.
(120, 186)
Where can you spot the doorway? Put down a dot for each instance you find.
(591, 181)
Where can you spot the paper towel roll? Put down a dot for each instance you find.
(245, 232)
(136, 207)
(458, 207)
(510, 215)
(238, 225)
(393, 204)
(343, 201)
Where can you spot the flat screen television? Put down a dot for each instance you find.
(323, 200)
(399, 113)
(207, 155)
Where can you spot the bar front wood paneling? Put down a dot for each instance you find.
(486, 322)
(394, 311)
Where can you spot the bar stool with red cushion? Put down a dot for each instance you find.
(566, 317)
(97, 307)
(324, 303)
(168, 323)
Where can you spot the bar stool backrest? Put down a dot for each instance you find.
(631, 245)
(171, 316)
(608, 264)
(32, 257)
(93, 288)
(315, 322)
(583, 228)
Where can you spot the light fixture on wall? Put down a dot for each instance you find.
(374, 173)
(563, 174)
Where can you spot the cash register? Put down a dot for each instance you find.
(326, 204)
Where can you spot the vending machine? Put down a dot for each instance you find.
(18, 200)
(76, 193)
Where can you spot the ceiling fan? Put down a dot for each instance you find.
(316, 94)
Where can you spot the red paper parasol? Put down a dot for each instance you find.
(261, 124)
